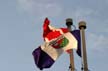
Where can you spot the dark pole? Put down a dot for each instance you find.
(69, 22)
(82, 27)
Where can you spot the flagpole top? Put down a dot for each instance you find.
(69, 22)
(82, 24)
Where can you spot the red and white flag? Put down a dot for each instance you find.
(51, 33)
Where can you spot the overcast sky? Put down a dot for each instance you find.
(21, 32)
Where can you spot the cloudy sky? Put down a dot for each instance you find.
(21, 31)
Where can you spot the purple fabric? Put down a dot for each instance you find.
(42, 59)
(76, 34)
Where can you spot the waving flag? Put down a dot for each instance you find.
(51, 33)
(57, 40)
(76, 34)
(46, 54)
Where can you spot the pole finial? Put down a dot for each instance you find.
(69, 22)
(82, 24)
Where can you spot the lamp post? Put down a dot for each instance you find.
(82, 27)
(69, 22)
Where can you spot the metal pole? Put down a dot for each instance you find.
(68, 24)
(82, 27)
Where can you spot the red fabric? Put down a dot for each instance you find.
(54, 34)
(65, 30)
(69, 51)
(48, 33)
(46, 29)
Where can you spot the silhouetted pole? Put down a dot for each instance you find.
(82, 27)
(69, 22)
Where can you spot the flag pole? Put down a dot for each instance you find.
(69, 22)
(82, 27)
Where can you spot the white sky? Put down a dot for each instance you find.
(21, 31)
